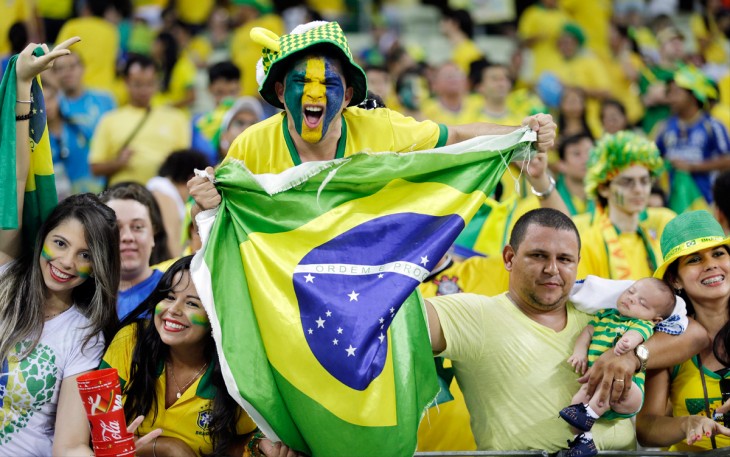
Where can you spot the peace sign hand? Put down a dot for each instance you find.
(29, 66)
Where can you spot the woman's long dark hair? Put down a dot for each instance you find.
(149, 351)
(721, 343)
(23, 290)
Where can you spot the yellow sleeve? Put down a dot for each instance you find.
(245, 424)
(101, 149)
(528, 26)
(412, 135)
(119, 353)
(697, 26)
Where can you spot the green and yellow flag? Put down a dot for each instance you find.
(309, 280)
(684, 195)
(40, 189)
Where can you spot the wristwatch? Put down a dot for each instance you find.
(642, 353)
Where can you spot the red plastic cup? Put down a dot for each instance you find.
(100, 391)
(109, 427)
(124, 447)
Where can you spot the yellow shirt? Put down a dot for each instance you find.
(622, 88)
(586, 71)
(164, 130)
(446, 427)
(593, 17)
(181, 80)
(55, 9)
(505, 360)
(465, 53)
(187, 419)
(395, 133)
(688, 399)
(714, 52)
(471, 111)
(594, 257)
(12, 11)
(98, 49)
(245, 52)
(538, 21)
(194, 11)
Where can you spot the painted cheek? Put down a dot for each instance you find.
(618, 197)
(84, 271)
(47, 253)
(159, 309)
(293, 99)
(202, 321)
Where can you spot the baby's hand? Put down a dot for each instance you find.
(623, 346)
(579, 362)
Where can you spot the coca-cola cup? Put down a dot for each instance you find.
(100, 391)
(122, 448)
(109, 427)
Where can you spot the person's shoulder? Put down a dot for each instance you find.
(583, 221)
(170, 113)
(266, 128)
(353, 112)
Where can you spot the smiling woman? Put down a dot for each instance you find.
(56, 300)
(169, 371)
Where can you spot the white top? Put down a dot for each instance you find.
(29, 388)
(166, 187)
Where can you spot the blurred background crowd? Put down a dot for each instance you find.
(180, 76)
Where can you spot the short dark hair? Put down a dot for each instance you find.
(665, 289)
(571, 140)
(98, 7)
(179, 165)
(225, 70)
(543, 217)
(463, 20)
(129, 190)
(139, 59)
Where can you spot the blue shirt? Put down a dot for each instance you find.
(130, 298)
(704, 140)
(80, 117)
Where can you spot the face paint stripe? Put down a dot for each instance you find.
(47, 253)
(199, 320)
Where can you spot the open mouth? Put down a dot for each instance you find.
(171, 326)
(59, 275)
(313, 115)
(714, 280)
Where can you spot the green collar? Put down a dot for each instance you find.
(293, 150)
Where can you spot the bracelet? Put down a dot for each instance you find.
(24, 101)
(154, 446)
(253, 445)
(23, 117)
(547, 192)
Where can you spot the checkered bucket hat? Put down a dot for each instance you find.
(313, 37)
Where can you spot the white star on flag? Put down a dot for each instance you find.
(309, 278)
(328, 313)
(353, 295)
(381, 337)
(339, 330)
(351, 351)
(310, 331)
(335, 341)
(381, 320)
(320, 322)
(392, 310)
(380, 276)
(424, 260)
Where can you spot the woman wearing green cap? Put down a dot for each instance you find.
(697, 265)
(621, 237)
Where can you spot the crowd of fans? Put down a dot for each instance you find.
(158, 88)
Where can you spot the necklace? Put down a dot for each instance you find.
(195, 376)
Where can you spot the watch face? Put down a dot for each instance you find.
(642, 352)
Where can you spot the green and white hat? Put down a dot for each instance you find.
(688, 233)
(614, 153)
(312, 37)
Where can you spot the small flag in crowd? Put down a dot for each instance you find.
(40, 189)
(309, 279)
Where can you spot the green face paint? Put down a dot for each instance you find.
(159, 308)
(202, 321)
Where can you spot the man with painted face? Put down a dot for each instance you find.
(310, 73)
(620, 237)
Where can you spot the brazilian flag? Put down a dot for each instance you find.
(309, 278)
(684, 195)
(40, 189)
